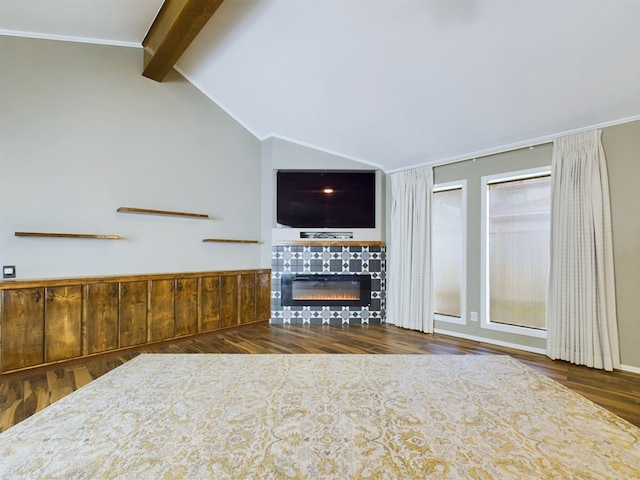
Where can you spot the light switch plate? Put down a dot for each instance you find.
(8, 271)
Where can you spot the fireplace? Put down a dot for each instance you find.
(325, 290)
(312, 258)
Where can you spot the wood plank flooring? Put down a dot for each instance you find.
(24, 393)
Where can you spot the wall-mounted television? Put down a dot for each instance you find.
(326, 199)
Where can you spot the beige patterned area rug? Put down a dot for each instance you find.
(322, 417)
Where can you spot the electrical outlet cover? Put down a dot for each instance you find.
(8, 271)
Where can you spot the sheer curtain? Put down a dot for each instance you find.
(409, 303)
(581, 310)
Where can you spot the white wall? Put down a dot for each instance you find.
(83, 133)
(622, 148)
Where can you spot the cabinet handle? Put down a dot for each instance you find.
(114, 291)
(171, 287)
(51, 294)
(38, 296)
(179, 286)
(124, 291)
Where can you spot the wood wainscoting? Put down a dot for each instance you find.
(50, 321)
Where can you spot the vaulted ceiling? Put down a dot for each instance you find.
(392, 83)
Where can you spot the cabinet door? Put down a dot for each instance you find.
(63, 322)
(247, 298)
(22, 328)
(209, 303)
(263, 296)
(133, 313)
(161, 314)
(186, 312)
(101, 316)
(228, 300)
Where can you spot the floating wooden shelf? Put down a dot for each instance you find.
(228, 240)
(146, 211)
(68, 235)
(329, 242)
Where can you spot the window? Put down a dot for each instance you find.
(516, 228)
(448, 251)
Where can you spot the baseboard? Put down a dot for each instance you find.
(491, 341)
(624, 368)
(629, 368)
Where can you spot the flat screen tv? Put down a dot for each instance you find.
(326, 199)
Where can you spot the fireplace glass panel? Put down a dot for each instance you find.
(326, 290)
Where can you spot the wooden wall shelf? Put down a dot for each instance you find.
(228, 240)
(146, 211)
(329, 242)
(68, 235)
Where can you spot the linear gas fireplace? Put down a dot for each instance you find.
(314, 260)
(325, 290)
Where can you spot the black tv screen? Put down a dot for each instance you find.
(326, 198)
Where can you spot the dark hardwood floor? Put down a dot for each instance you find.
(24, 393)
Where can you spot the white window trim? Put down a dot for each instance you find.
(485, 321)
(462, 320)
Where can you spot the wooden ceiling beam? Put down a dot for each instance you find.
(174, 28)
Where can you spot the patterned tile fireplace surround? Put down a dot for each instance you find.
(309, 258)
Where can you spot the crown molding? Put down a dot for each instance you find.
(69, 38)
(516, 146)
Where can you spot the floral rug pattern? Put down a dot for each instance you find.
(322, 417)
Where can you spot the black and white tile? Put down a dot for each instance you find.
(346, 259)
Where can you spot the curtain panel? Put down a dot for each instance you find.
(581, 310)
(409, 285)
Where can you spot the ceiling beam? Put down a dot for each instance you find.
(174, 28)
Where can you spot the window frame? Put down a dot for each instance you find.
(485, 320)
(462, 186)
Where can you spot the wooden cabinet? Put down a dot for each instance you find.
(133, 313)
(247, 298)
(41, 325)
(101, 317)
(22, 328)
(209, 311)
(186, 306)
(228, 301)
(255, 297)
(62, 322)
(53, 321)
(263, 296)
(162, 323)
(174, 308)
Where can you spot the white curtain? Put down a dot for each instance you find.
(409, 302)
(581, 310)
